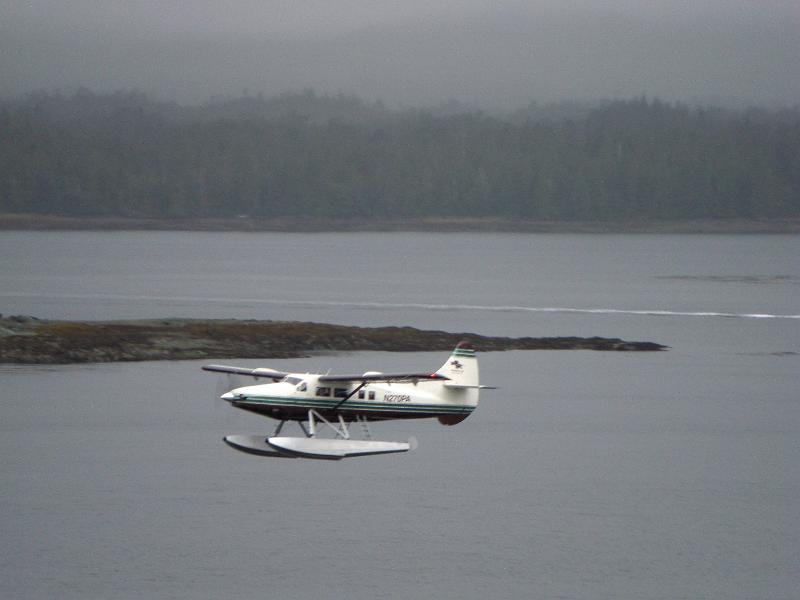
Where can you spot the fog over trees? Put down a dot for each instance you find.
(220, 129)
(306, 154)
(494, 54)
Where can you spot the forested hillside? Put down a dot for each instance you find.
(296, 155)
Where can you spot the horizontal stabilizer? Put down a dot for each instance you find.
(463, 386)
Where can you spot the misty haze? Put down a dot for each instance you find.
(492, 55)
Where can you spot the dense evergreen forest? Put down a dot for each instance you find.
(296, 155)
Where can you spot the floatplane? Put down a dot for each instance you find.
(333, 403)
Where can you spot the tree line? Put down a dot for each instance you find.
(296, 155)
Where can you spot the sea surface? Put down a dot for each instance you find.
(586, 475)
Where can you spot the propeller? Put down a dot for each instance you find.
(225, 383)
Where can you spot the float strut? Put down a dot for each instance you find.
(312, 426)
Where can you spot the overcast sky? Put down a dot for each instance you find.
(491, 53)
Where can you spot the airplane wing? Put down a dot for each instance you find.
(365, 378)
(384, 377)
(260, 372)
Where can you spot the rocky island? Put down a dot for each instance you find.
(30, 340)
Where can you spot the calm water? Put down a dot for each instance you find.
(586, 475)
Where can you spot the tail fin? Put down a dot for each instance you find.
(461, 368)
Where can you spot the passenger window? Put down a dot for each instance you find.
(323, 391)
(360, 394)
(372, 395)
(340, 392)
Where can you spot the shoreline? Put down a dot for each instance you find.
(27, 340)
(30, 222)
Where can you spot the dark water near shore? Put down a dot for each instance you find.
(586, 475)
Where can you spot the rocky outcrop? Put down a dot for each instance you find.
(29, 340)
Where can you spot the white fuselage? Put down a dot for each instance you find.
(298, 393)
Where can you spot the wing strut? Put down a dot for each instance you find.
(350, 395)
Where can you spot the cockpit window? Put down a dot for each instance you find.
(292, 380)
(302, 387)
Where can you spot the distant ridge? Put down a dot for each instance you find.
(29, 340)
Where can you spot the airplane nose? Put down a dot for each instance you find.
(230, 396)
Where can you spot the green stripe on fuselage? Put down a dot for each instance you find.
(354, 404)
